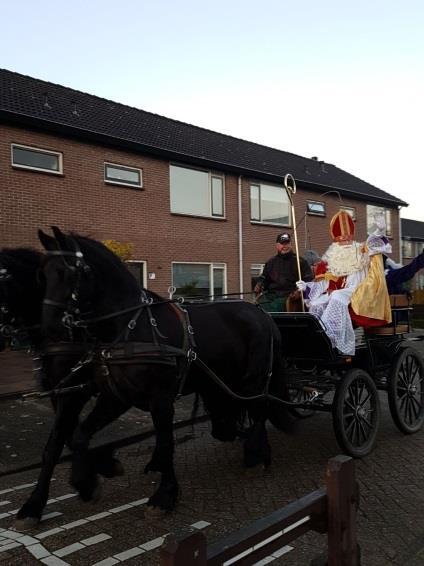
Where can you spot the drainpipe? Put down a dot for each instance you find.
(400, 239)
(240, 237)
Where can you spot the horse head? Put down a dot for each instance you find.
(20, 292)
(81, 276)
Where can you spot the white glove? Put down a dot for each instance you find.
(301, 285)
(393, 264)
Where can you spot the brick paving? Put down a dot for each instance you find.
(217, 490)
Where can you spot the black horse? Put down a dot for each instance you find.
(21, 296)
(150, 350)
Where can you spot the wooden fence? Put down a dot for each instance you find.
(330, 510)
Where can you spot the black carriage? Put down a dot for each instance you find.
(321, 379)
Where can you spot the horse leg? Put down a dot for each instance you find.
(65, 422)
(165, 497)
(257, 449)
(84, 465)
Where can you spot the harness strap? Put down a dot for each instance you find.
(131, 349)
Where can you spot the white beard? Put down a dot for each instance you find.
(345, 259)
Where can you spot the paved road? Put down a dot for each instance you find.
(219, 496)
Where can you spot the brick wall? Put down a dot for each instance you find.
(79, 200)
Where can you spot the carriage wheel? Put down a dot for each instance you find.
(299, 396)
(406, 391)
(356, 413)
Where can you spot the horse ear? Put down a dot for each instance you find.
(61, 238)
(48, 242)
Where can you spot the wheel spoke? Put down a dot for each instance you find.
(349, 427)
(366, 398)
(410, 415)
(361, 389)
(349, 404)
(367, 422)
(417, 404)
(415, 407)
(402, 402)
(362, 429)
(352, 395)
(403, 377)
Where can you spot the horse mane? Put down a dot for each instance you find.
(96, 253)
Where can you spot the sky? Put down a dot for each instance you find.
(340, 80)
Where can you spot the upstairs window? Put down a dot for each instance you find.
(315, 208)
(269, 204)
(371, 213)
(37, 159)
(123, 175)
(350, 210)
(196, 192)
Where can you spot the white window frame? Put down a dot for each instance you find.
(211, 175)
(212, 266)
(256, 266)
(57, 154)
(350, 210)
(144, 263)
(310, 203)
(111, 181)
(387, 214)
(258, 186)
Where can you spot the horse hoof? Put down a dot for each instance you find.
(97, 492)
(26, 524)
(151, 512)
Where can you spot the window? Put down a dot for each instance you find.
(199, 279)
(407, 248)
(316, 208)
(196, 192)
(36, 159)
(123, 175)
(255, 270)
(269, 204)
(372, 211)
(350, 210)
(138, 269)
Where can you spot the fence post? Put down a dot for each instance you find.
(342, 494)
(187, 548)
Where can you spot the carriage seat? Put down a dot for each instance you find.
(401, 310)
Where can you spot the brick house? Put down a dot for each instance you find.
(200, 208)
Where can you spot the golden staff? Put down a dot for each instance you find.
(290, 186)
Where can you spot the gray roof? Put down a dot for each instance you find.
(412, 229)
(32, 102)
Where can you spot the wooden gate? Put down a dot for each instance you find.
(330, 510)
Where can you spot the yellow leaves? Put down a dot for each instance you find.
(124, 250)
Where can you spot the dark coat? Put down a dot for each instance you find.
(280, 273)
